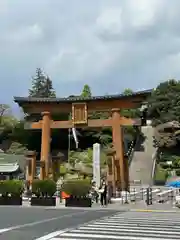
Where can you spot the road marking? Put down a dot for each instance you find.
(31, 224)
(154, 210)
(131, 225)
(53, 235)
(4, 230)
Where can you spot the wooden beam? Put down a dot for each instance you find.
(95, 123)
(98, 105)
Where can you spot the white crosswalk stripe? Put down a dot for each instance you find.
(128, 226)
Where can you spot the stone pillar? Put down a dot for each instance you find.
(45, 145)
(118, 144)
(30, 166)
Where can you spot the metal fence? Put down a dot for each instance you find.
(149, 195)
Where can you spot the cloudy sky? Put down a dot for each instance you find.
(108, 44)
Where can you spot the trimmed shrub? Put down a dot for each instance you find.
(76, 187)
(17, 187)
(11, 187)
(43, 188)
(160, 176)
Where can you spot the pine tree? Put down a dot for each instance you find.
(86, 92)
(41, 86)
(48, 88)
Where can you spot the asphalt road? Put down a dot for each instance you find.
(20, 223)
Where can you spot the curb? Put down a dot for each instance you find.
(154, 210)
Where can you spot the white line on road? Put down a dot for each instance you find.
(31, 224)
(53, 235)
(4, 230)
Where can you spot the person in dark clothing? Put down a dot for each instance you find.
(103, 192)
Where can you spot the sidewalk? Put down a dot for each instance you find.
(137, 206)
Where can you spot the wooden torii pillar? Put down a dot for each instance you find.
(45, 145)
(111, 170)
(80, 120)
(117, 135)
(30, 166)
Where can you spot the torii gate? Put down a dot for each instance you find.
(79, 109)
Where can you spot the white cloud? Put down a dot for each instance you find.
(110, 20)
(109, 44)
(28, 34)
(143, 13)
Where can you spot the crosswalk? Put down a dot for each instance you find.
(128, 226)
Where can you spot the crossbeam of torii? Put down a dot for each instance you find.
(115, 122)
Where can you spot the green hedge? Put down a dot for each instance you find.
(11, 187)
(77, 187)
(161, 175)
(43, 188)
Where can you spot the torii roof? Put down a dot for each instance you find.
(73, 99)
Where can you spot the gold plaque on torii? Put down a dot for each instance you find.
(79, 113)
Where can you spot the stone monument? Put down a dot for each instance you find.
(96, 164)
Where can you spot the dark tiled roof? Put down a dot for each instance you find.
(21, 100)
(13, 159)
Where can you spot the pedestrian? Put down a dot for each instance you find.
(103, 193)
(94, 192)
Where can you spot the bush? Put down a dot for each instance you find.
(160, 174)
(76, 187)
(11, 187)
(43, 188)
(178, 172)
(164, 165)
(17, 187)
(36, 188)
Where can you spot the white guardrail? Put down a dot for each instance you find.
(167, 195)
(157, 195)
(134, 196)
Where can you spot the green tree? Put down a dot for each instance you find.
(84, 160)
(86, 92)
(164, 110)
(16, 148)
(41, 86)
(4, 111)
(7, 122)
(128, 91)
(48, 88)
(163, 105)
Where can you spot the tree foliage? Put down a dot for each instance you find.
(164, 110)
(41, 86)
(17, 148)
(128, 91)
(86, 92)
(163, 105)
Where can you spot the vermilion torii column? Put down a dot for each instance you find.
(45, 145)
(118, 145)
(31, 166)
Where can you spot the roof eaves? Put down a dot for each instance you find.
(20, 100)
